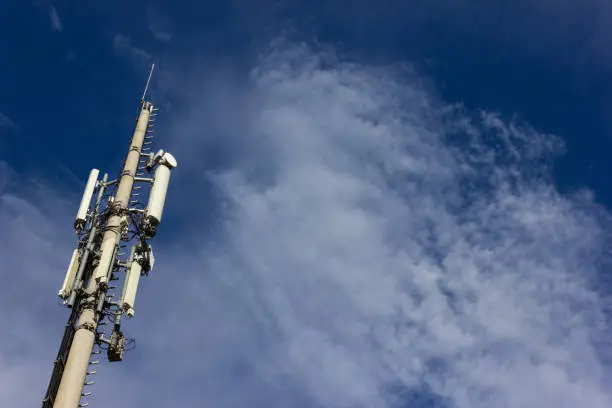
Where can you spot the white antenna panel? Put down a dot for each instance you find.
(66, 289)
(130, 286)
(81, 217)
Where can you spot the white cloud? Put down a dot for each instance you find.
(56, 23)
(374, 245)
(363, 253)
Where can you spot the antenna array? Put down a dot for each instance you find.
(113, 252)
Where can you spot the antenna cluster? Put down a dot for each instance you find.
(114, 227)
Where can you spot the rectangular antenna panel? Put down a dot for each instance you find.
(81, 217)
(70, 275)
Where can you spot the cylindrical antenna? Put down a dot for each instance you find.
(130, 286)
(144, 94)
(157, 196)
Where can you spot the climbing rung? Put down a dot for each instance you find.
(92, 372)
(85, 394)
(83, 404)
(95, 362)
(89, 383)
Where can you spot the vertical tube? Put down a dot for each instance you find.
(71, 386)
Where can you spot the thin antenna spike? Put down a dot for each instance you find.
(144, 94)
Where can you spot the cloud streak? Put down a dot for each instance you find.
(371, 246)
(159, 25)
(124, 48)
(56, 23)
(6, 122)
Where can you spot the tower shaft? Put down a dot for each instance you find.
(75, 370)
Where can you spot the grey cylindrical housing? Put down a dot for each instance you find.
(157, 197)
(130, 286)
(81, 217)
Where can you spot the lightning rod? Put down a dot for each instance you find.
(107, 225)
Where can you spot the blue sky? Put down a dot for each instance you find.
(376, 205)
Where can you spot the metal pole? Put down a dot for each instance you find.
(73, 378)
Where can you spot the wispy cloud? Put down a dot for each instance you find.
(56, 23)
(159, 25)
(6, 122)
(123, 47)
(162, 35)
(373, 247)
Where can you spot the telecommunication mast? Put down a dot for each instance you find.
(114, 227)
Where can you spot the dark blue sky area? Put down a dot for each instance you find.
(65, 88)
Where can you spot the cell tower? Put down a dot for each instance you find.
(113, 246)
